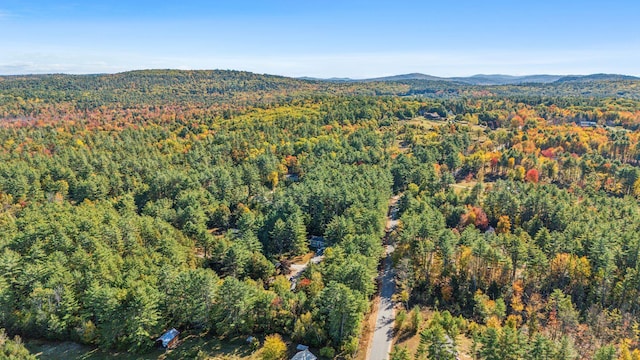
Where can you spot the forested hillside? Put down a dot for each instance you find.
(137, 202)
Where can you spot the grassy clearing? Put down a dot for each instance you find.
(478, 132)
(197, 346)
(411, 342)
(302, 259)
(424, 123)
(190, 347)
(463, 186)
(69, 350)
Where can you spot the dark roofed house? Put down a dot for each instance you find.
(292, 177)
(432, 116)
(169, 339)
(317, 242)
(304, 355)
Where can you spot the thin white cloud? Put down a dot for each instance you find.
(51, 68)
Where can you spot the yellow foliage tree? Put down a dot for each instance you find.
(625, 353)
(274, 348)
(516, 299)
(504, 225)
(636, 188)
(273, 179)
(519, 174)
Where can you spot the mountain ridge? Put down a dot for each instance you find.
(478, 79)
(488, 79)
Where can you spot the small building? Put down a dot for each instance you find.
(588, 124)
(292, 177)
(302, 347)
(253, 342)
(317, 242)
(169, 339)
(304, 355)
(432, 116)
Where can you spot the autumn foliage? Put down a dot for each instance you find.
(532, 176)
(474, 215)
(136, 202)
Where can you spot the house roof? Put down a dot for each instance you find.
(304, 355)
(168, 336)
(317, 241)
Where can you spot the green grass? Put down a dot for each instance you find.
(190, 347)
(463, 185)
(69, 350)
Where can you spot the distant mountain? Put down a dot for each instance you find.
(479, 79)
(595, 77)
(333, 79)
(412, 76)
(403, 77)
(493, 79)
(506, 79)
(216, 87)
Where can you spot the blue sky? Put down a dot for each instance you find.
(322, 38)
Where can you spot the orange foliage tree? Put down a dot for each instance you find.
(532, 176)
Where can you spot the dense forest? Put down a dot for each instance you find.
(137, 202)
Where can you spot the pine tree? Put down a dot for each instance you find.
(541, 348)
(399, 353)
(437, 343)
(607, 352)
(296, 234)
(490, 341)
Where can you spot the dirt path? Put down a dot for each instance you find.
(298, 269)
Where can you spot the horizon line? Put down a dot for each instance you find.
(316, 77)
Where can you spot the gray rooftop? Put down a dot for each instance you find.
(304, 355)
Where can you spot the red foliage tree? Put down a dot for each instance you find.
(494, 164)
(482, 222)
(532, 176)
(548, 153)
(476, 216)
